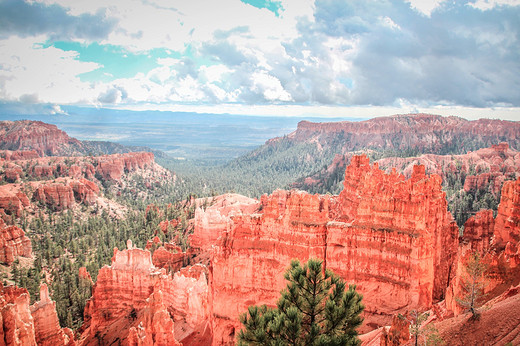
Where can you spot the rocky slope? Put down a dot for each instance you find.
(393, 237)
(45, 139)
(46, 326)
(313, 146)
(42, 139)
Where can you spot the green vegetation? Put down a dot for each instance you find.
(65, 241)
(473, 282)
(314, 309)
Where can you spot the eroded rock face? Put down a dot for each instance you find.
(497, 242)
(392, 237)
(133, 299)
(507, 224)
(112, 167)
(13, 243)
(12, 200)
(478, 231)
(46, 324)
(45, 139)
(15, 317)
(58, 195)
(425, 132)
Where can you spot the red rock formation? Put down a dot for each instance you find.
(17, 327)
(85, 191)
(171, 260)
(9, 155)
(167, 225)
(507, 224)
(57, 195)
(13, 173)
(125, 302)
(213, 221)
(156, 327)
(392, 237)
(46, 324)
(501, 255)
(83, 274)
(12, 200)
(425, 132)
(112, 167)
(486, 168)
(45, 139)
(398, 334)
(13, 243)
(63, 193)
(478, 231)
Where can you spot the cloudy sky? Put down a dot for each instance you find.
(288, 57)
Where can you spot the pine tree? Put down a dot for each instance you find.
(314, 309)
(473, 283)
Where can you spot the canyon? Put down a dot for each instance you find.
(389, 231)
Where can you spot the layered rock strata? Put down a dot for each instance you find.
(392, 237)
(16, 321)
(132, 300)
(46, 324)
(13, 243)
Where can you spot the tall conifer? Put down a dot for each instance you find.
(314, 309)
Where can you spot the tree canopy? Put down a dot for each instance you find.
(315, 308)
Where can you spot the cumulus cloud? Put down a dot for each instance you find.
(33, 18)
(323, 52)
(458, 55)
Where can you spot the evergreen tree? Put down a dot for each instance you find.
(473, 283)
(416, 320)
(314, 309)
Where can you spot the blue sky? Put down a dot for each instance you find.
(264, 57)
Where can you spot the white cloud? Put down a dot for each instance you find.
(425, 6)
(489, 4)
(270, 87)
(49, 74)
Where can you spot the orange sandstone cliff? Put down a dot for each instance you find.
(46, 325)
(392, 237)
(133, 301)
(13, 243)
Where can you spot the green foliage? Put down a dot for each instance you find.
(473, 282)
(314, 309)
(416, 320)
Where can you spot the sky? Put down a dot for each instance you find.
(264, 57)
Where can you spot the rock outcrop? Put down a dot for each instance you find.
(425, 132)
(392, 237)
(507, 224)
(46, 325)
(484, 169)
(133, 301)
(57, 195)
(497, 242)
(12, 200)
(13, 243)
(112, 167)
(16, 321)
(45, 139)
(479, 230)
